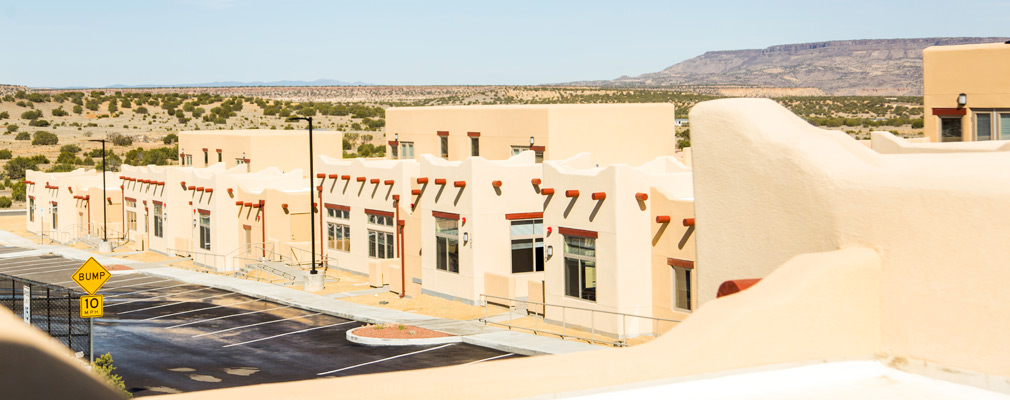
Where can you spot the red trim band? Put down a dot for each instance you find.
(439, 214)
(578, 232)
(336, 206)
(528, 215)
(676, 262)
(379, 212)
(950, 111)
(442, 133)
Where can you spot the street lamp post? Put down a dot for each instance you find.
(312, 207)
(105, 219)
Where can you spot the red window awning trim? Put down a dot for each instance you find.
(735, 286)
(950, 111)
(379, 212)
(440, 214)
(538, 148)
(578, 232)
(527, 215)
(202, 211)
(676, 262)
(337, 207)
(246, 227)
(473, 134)
(442, 133)
(131, 199)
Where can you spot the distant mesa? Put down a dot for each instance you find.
(845, 67)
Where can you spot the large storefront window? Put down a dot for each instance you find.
(527, 245)
(205, 231)
(580, 267)
(447, 244)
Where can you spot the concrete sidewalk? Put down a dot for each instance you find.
(472, 331)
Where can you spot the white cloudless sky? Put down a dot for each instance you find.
(100, 43)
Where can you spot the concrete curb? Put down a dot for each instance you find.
(369, 341)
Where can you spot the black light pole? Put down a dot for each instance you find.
(105, 218)
(312, 191)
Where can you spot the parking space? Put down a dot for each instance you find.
(168, 336)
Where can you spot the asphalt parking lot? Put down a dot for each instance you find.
(168, 336)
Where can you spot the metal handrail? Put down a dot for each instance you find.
(622, 340)
(190, 253)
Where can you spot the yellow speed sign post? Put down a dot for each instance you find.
(91, 276)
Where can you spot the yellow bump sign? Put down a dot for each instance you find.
(92, 306)
(91, 276)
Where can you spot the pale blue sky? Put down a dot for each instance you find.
(99, 43)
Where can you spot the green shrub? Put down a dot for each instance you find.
(70, 148)
(39, 123)
(43, 138)
(140, 110)
(11, 129)
(5, 154)
(78, 109)
(5, 115)
(31, 114)
(23, 136)
(5, 202)
(16, 168)
(17, 190)
(60, 112)
(120, 139)
(171, 138)
(103, 367)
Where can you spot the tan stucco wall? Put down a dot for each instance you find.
(70, 223)
(977, 70)
(771, 187)
(285, 150)
(564, 130)
(884, 142)
(816, 307)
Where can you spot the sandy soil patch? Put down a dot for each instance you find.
(397, 331)
(204, 378)
(424, 304)
(182, 369)
(241, 371)
(163, 389)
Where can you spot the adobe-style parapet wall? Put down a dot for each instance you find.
(887, 143)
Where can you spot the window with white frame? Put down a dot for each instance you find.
(519, 149)
(31, 209)
(338, 213)
(682, 288)
(447, 244)
(444, 145)
(380, 220)
(992, 125)
(527, 245)
(338, 236)
(158, 220)
(131, 220)
(205, 231)
(56, 216)
(380, 244)
(407, 150)
(580, 267)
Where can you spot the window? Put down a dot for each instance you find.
(220, 157)
(131, 220)
(983, 126)
(31, 209)
(580, 267)
(682, 288)
(56, 216)
(239, 161)
(205, 231)
(338, 237)
(992, 125)
(950, 129)
(380, 220)
(392, 151)
(475, 146)
(519, 149)
(447, 244)
(158, 222)
(407, 150)
(444, 140)
(527, 245)
(205, 158)
(335, 213)
(189, 160)
(131, 203)
(380, 244)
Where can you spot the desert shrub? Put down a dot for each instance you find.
(60, 112)
(17, 190)
(78, 109)
(120, 139)
(39, 159)
(103, 367)
(5, 115)
(23, 136)
(43, 138)
(5, 202)
(66, 158)
(140, 110)
(5, 154)
(61, 168)
(15, 169)
(70, 148)
(170, 138)
(39, 123)
(31, 114)
(11, 128)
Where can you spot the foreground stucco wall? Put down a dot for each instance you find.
(816, 307)
(884, 142)
(771, 186)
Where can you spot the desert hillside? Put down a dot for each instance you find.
(849, 67)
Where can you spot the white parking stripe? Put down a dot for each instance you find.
(176, 303)
(32, 262)
(225, 316)
(155, 297)
(135, 284)
(34, 266)
(110, 280)
(47, 272)
(290, 333)
(145, 290)
(491, 358)
(256, 324)
(384, 359)
(199, 309)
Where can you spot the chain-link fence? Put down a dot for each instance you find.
(50, 308)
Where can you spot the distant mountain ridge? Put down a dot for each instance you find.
(843, 67)
(317, 82)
